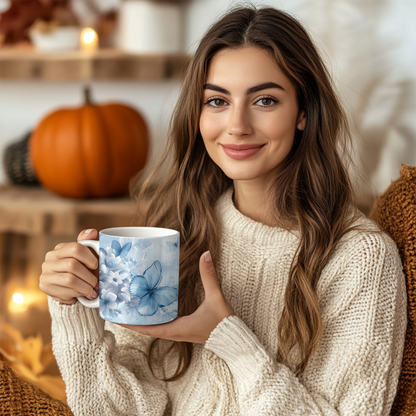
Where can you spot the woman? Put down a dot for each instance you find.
(302, 307)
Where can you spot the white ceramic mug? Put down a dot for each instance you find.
(138, 275)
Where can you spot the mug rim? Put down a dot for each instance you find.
(117, 232)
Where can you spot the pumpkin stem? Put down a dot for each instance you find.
(87, 95)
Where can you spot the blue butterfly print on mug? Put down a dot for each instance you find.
(173, 245)
(152, 297)
(120, 251)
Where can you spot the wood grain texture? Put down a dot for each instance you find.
(106, 64)
(36, 211)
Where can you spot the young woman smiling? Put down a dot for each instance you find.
(297, 305)
(248, 123)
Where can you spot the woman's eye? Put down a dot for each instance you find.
(266, 102)
(216, 102)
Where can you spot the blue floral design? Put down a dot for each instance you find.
(122, 261)
(120, 251)
(146, 288)
(145, 243)
(173, 245)
(108, 301)
(129, 311)
(111, 261)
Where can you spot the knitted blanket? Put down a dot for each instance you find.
(395, 212)
(20, 398)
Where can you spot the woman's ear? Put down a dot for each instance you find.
(301, 121)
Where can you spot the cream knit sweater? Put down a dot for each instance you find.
(354, 371)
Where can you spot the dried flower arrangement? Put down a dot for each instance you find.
(30, 359)
(16, 22)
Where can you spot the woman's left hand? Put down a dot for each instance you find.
(198, 326)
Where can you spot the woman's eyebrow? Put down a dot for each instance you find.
(251, 90)
(216, 88)
(264, 86)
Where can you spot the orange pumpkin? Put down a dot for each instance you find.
(89, 151)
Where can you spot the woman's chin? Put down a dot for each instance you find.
(241, 176)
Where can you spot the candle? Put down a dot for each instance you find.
(17, 303)
(24, 298)
(89, 40)
(18, 298)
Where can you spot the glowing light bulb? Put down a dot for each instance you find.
(89, 40)
(17, 298)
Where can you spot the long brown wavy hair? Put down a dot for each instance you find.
(312, 192)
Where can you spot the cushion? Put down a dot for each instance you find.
(395, 213)
(19, 397)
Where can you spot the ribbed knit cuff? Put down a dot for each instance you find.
(75, 323)
(236, 344)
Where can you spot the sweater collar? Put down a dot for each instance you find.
(237, 225)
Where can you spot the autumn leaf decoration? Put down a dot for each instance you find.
(29, 358)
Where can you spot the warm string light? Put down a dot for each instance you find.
(89, 40)
(18, 303)
(18, 298)
(21, 300)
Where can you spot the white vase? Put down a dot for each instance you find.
(60, 39)
(147, 27)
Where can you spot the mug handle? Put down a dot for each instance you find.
(95, 303)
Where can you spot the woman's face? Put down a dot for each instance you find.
(249, 114)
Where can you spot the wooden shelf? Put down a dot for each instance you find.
(37, 211)
(105, 64)
(32, 221)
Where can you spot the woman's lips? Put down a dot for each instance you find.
(242, 151)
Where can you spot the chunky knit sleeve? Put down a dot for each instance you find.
(356, 366)
(105, 372)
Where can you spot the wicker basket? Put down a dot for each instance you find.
(17, 163)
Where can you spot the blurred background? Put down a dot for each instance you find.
(81, 55)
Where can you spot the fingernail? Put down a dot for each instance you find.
(207, 256)
(94, 294)
(87, 231)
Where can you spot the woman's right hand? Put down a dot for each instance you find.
(71, 270)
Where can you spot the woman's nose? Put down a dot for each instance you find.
(239, 122)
